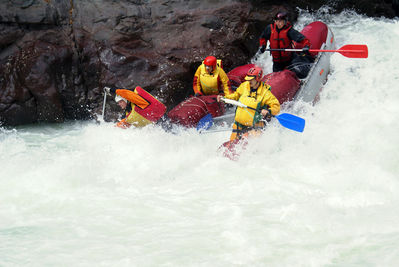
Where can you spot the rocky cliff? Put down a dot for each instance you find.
(57, 55)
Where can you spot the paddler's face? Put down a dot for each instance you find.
(209, 69)
(122, 104)
(280, 23)
(253, 83)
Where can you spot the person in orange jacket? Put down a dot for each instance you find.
(281, 35)
(260, 102)
(210, 78)
(140, 108)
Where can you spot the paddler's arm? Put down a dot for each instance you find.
(299, 38)
(196, 82)
(133, 97)
(265, 36)
(270, 101)
(236, 95)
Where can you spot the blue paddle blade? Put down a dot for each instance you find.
(205, 123)
(291, 122)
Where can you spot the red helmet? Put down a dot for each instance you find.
(281, 15)
(210, 61)
(254, 72)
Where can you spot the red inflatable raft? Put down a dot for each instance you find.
(285, 84)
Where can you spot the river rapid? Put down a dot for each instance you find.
(88, 194)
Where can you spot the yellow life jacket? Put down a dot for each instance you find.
(210, 82)
(135, 119)
(251, 115)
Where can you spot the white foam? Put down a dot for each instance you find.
(82, 194)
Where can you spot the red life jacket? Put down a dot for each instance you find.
(280, 40)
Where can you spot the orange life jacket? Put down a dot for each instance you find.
(280, 40)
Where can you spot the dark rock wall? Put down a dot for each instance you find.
(56, 55)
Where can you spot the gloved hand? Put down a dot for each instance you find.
(306, 50)
(262, 49)
(107, 90)
(267, 114)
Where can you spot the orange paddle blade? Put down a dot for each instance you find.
(354, 51)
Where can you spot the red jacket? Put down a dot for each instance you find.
(282, 39)
(279, 39)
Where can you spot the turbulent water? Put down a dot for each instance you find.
(86, 194)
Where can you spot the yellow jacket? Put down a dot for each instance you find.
(211, 83)
(263, 95)
(260, 99)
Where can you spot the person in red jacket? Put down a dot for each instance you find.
(281, 35)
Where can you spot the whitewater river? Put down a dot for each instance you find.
(87, 194)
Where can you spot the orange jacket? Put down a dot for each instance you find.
(142, 108)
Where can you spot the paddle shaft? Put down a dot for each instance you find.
(215, 131)
(239, 104)
(223, 117)
(236, 103)
(105, 100)
(351, 51)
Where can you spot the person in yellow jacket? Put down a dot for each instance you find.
(210, 78)
(260, 102)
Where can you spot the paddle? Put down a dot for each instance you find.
(205, 123)
(216, 131)
(289, 121)
(352, 51)
(105, 100)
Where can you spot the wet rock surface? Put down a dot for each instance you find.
(57, 55)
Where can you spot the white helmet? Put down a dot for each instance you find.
(119, 98)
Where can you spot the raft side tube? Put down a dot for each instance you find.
(313, 83)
